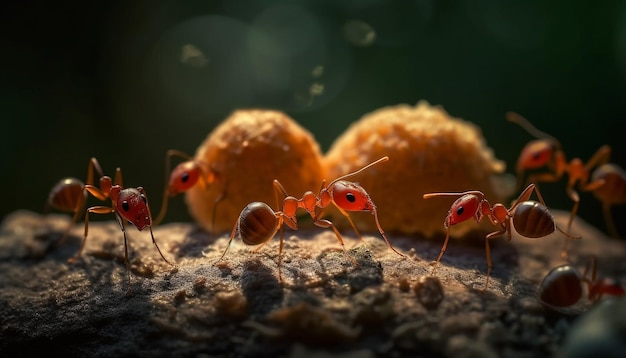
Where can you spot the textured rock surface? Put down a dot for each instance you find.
(387, 306)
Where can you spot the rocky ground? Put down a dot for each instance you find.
(386, 306)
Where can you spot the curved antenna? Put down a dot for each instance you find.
(383, 159)
(470, 192)
(530, 128)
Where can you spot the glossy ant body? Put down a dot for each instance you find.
(613, 192)
(128, 204)
(546, 151)
(563, 285)
(69, 195)
(258, 222)
(531, 219)
(184, 176)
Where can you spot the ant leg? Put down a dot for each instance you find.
(489, 261)
(95, 210)
(601, 156)
(214, 212)
(441, 252)
(77, 212)
(506, 229)
(576, 199)
(232, 235)
(382, 233)
(327, 224)
(608, 218)
(93, 165)
(123, 227)
(157, 247)
(280, 254)
(345, 213)
(168, 162)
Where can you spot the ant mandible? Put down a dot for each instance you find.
(258, 222)
(128, 204)
(69, 195)
(184, 176)
(546, 151)
(562, 286)
(531, 219)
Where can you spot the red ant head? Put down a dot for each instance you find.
(350, 196)
(131, 204)
(463, 209)
(183, 177)
(536, 154)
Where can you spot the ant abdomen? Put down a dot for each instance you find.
(533, 220)
(561, 287)
(614, 189)
(257, 223)
(65, 193)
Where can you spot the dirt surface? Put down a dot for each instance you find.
(387, 305)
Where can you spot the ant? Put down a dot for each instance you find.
(184, 176)
(613, 192)
(531, 219)
(69, 195)
(547, 151)
(128, 204)
(562, 286)
(258, 222)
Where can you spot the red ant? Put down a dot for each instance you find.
(186, 175)
(562, 286)
(613, 192)
(546, 151)
(531, 219)
(258, 222)
(69, 195)
(128, 204)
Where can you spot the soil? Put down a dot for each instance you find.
(320, 303)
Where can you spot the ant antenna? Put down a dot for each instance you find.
(530, 128)
(383, 159)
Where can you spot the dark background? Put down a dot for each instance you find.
(110, 79)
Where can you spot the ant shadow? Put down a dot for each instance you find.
(195, 241)
(469, 253)
(260, 286)
(51, 245)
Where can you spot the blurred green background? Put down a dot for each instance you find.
(124, 81)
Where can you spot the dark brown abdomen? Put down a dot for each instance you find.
(533, 220)
(257, 223)
(561, 287)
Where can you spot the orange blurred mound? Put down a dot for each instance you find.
(249, 150)
(429, 151)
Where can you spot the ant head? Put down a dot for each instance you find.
(183, 177)
(132, 205)
(464, 208)
(536, 154)
(350, 196)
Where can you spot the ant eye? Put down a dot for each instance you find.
(536, 155)
(125, 205)
(184, 178)
(143, 197)
(460, 210)
(350, 197)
